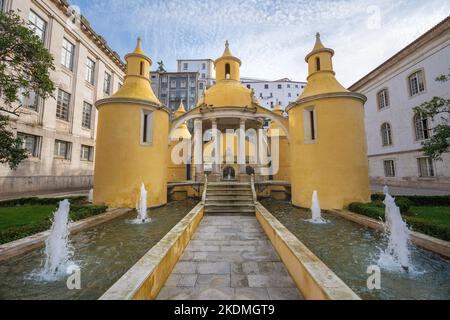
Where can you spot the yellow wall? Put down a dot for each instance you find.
(284, 171)
(122, 163)
(336, 164)
(175, 172)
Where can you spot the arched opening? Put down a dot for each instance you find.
(386, 134)
(249, 170)
(317, 64)
(142, 68)
(227, 71)
(229, 173)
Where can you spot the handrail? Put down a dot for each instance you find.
(252, 183)
(204, 189)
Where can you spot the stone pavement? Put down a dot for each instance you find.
(45, 194)
(229, 257)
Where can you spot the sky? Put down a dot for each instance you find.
(271, 37)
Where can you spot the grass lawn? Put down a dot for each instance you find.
(23, 215)
(431, 220)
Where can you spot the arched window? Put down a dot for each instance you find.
(386, 134)
(227, 71)
(142, 68)
(421, 127)
(317, 64)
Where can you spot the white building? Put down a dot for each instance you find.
(205, 69)
(394, 133)
(59, 132)
(271, 93)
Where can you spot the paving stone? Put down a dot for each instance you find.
(284, 294)
(270, 281)
(187, 280)
(173, 279)
(239, 280)
(251, 294)
(184, 267)
(213, 268)
(213, 280)
(175, 293)
(207, 293)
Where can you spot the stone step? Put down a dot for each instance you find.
(227, 210)
(229, 204)
(245, 214)
(225, 183)
(227, 189)
(224, 197)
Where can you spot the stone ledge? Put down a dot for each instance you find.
(145, 279)
(432, 244)
(27, 244)
(313, 278)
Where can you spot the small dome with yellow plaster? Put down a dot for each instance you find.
(321, 77)
(137, 83)
(228, 90)
(182, 132)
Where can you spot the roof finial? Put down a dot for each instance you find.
(226, 44)
(139, 46)
(318, 36)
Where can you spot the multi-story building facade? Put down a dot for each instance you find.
(205, 69)
(59, 133)
(394, 133)
(271, 93)
(173, 87)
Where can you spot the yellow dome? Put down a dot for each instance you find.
(228, 90)
(182, 132)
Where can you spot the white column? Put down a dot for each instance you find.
(217, 150)
(198, 148)
(241, 146)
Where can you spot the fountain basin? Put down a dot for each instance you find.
(103, 253)
(348, 249)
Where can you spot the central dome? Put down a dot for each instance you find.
(228, 90)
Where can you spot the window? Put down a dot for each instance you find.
(309, 123)
(147, 127)
(90, 69)
(383, 99)
(141, 68)
(62, 105)
(203, 76)
(389, 168)
(317, 64)
(183, 84)
(386, 134)
(2, 3)
(425, 167)
(288, 85)
(62, 149)
(200, 85)
(173, 84)
(31, 102)
(87, 153)
(421, 127)
(297, 86)
(249, 86)
(227, 71)
(37, 24)
(203, 66)
(31, 143)
(280, 86)
(416, 83)
(266, 86)
(107, 83)
(289, 94)
(185, 66)
(86, 117)
(271, 104)
(67, 54)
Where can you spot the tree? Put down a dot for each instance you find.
(25, 66)
(440, 141)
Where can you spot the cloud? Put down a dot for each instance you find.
(271, 37)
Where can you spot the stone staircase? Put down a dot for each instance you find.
(229, 199)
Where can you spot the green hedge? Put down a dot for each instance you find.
(41, 201)
(419, 201)
(375, 211)
(77, 212)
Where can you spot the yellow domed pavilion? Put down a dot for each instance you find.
(317, 144)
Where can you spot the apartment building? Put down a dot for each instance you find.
(173, 87)
(204, 68)
(394, 133)
(59, 133)
(271, 93)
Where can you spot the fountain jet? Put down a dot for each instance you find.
(316, 214)
(397, 232)
(142, 207)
